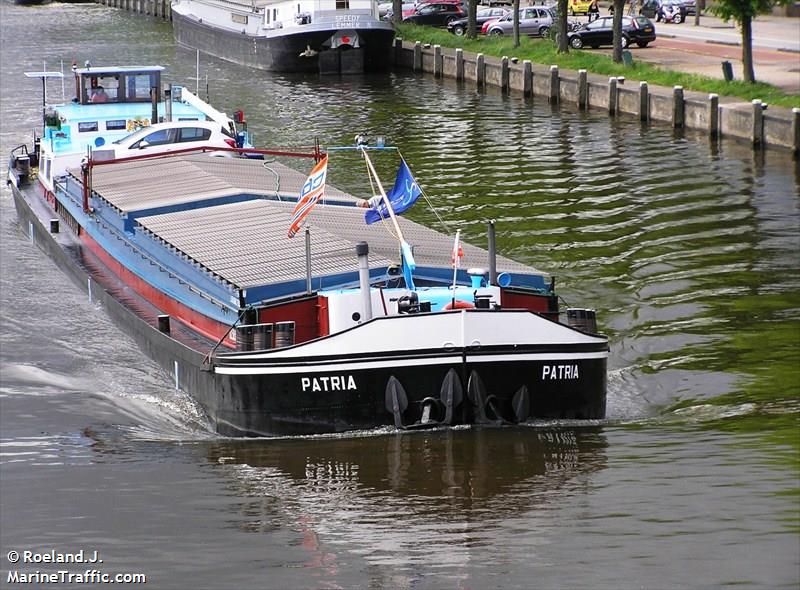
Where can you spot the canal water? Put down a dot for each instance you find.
(689, 251)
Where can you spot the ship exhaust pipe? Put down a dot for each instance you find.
(362, 251)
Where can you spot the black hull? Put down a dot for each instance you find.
(459, 387)
(283, 54)
(277, 404)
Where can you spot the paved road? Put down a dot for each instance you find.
(776, 67)
(702, 49)
(769, 32)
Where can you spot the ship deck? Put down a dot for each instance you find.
(230, 216)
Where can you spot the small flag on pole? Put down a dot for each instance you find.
(312, 191)
(458, 251)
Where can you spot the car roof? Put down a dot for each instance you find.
(190, 123)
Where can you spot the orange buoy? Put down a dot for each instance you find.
(459, 305)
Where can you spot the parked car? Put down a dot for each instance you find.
(635, 29)
(436, 14)
(579, 7)
(177, 135)
(408, 9)
(670, 11)
(533, 21)
(690, 6)
(459, 27)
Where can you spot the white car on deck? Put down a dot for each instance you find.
(173, 136)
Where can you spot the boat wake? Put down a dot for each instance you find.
(161, 416)
(33, 381)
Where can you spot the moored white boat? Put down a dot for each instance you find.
(326, 36)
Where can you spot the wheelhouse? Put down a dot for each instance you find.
(118, 84)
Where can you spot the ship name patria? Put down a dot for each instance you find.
(560, 372)
(333, 383)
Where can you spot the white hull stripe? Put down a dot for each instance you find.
(383, 364)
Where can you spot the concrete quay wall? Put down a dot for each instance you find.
(159, 8)
(753, 122)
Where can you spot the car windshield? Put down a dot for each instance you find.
(642, 21)
(135, 135)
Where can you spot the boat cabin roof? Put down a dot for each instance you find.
(105, 70)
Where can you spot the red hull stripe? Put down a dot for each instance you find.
(203, 324)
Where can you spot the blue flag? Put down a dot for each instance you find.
(402, 196)
(409, 265)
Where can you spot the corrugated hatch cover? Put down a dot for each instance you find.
(246, 243)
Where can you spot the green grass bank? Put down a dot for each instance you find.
(543, 52)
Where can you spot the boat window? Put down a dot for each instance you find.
(342, 4)
(86, 126)
(187, 119)
(101, 88)
(193, 134)
(239, 18)
(46, 168)
(116, 125)
(137, 86)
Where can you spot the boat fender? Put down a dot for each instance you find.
(459, 305)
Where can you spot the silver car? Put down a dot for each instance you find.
(533, 21)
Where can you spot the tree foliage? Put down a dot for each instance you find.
(742, 12)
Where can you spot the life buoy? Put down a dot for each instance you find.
(459, 305)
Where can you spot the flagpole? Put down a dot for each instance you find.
(455, 265)
(383, 194)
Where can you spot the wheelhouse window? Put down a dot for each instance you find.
(342, 4)
(100, 88)
(87, 126)
(137, 86)
(116, 125)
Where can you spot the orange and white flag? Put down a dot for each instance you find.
(311, 193)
